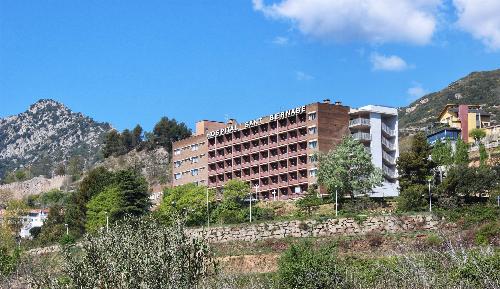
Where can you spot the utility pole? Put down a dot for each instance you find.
(430, 196)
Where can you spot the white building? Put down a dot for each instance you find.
(35, 218)
(377, 128)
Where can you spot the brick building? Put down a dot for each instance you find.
(274, 153)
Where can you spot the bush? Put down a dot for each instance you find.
(301, 266)
(67, 240)
(487, 232)
(138, 253)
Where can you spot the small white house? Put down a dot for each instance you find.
(35, 218)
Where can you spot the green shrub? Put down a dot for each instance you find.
(67, 240)
(433, 240)
(302, 266)
(486, 232)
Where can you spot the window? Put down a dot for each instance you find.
(298, 190)
(312, 130)
(313, 158)
(177, 164)
(313, 144)
(311, 115)
(194, 147)
(194, 172)
(194, 160)
(313, 172)
(177, 176)
(177, 152)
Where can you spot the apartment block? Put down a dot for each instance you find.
(377, 128)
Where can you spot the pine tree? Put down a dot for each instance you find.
(414, 168)
(137, 136)
(113, 144)
(127, 140)
(461, 156)
(167, 131)
(133, 189)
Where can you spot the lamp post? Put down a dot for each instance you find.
(67, 229)
(274, 195)
(256, 192)
(336, 202)
(429, 180)
(208, 213)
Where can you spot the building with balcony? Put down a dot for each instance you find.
(456, 121)
(376, 127)
(276, 153)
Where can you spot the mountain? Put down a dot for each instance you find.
(476, 88)
(48, 134)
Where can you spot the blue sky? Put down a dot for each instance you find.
(129, 62)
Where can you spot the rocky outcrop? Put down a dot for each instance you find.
(313, 228)
(46, 134)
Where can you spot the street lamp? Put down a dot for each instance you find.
(336, 202)
(429, 180)
(208, 213)
(67, 229)
(274, 195)
(256, 193)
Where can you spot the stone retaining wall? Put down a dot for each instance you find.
(313, 228)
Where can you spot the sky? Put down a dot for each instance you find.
(130, 62)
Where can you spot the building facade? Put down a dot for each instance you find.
(35, 218)
(456, 121)
(275, 154)
(377, 128)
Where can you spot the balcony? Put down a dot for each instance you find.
(388, 144)
(388, 131)
(388, 158)
(389, 173)
(359, 122)
(361, 136)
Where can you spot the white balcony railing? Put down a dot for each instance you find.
(387, 130)
(361, 136)
(388, 144)
(388, 172)
(390, 159)
(359, 121)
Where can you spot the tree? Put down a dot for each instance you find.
(189, 200)
(137, 136)
(309, 202)
(5, 197)
(483, 154)
(108, 202)
(348, 168)
(477, 134)
(60, 170)
(113, 144)
(14, 212)
(461, 156)
(442, 155)
(53, 228)
(127, 140)
(414, 168)
(167, 131)
(95, 182)
(133, 189)
(232, 208)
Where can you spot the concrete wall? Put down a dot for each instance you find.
(313, 228)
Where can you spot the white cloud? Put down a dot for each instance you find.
(302, 76)
(416, 91)
(389, 63)
(373, 21)
(481, 18)
(280, 40)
